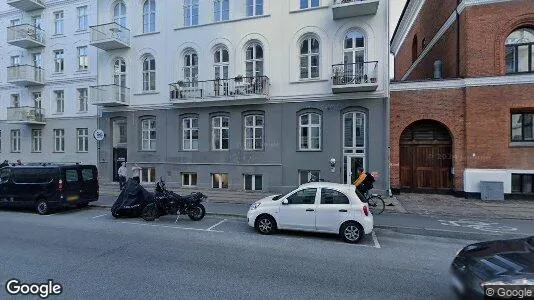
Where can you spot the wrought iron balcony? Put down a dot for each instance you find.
(110, 36)
(25, 36)
(25, 75)
(354, 8)
(220, 89)
(355, 77)
(26, 115)
(27, 5)
(109, 95)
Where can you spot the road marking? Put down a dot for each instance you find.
(168, 226)
(375, 240)
(100, 216)
(493, 227)
(209, 229)
(177, 217)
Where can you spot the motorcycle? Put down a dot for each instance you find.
(166, 202)
(131, 201)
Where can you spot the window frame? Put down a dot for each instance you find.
(83, 99)
(59, 22)
(37, 140)
(190, 66)
(83, 58)
(15, 141)
(251, 9)
(220, 183)
(191, 10)
(253, 182)
(15, 100)
(120, 14)
(219, 11)
(255, 61)
(309, 126)
(59, 135)
(190, 129)
(521, 187)
(309, 4)
(149, 16)
(515, 45)
(189, 180)
(221, 129)
(82, 135)
(148, 130)
(254, 128)
(149, 172)
(308, 175)
(221, 66)
(149, 73)
(60, 101)
(522, 114)
(59, 61)
(309, 38)
(83, 18)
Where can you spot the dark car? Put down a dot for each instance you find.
(47, 187)
(502, 262)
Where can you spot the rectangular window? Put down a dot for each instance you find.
(190, 134)
(37, 100)
(37, 140)
(254, 132)
(309, 3)
(148, 135)
(60, 101)
(59, 61)
(59, 140)
(523, 183)
(15, 140)
(522, 127)
(148, 175)
(220, 131)
(190, 12)
(82, 100)
(15, 60)
(310, 131)
(253, 182)
(254, 8)
(219, 180)
(306, 176)
(14, 22)
(82, 138)
(221, 10)
(83, 59)
(15, 100)
(82, 18)
(189, 179)
(58, 22)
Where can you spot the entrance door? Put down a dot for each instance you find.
(119, 156)
(426, 157)
(350, 166)
(120, 150)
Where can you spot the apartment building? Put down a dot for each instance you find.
(46, 68)
(243, 94)
(461, 104)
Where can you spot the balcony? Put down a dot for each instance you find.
(27, 5)
(239, 88)
(110, 36)
(25, 75)
(26, 115)
(355, 77)
(354, 8)
(25, 36)
(109, 95)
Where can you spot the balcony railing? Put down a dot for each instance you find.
(26, 36)
(27, 5)
(26, 114)
(109, 95)
(353, 77)
(110, 36)
(25, 75)
(354, 8)
(225, 89)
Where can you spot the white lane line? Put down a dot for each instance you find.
(167, 226)
(375, 240)
(99, 216)
(210, 229)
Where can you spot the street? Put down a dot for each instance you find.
(95, 256)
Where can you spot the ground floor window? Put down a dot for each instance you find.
(189, 179)
(148, 175)
(253, 182)
(306, 176)
(219, 180)
(523, 183)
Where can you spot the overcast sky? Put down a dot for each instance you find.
(395, 10)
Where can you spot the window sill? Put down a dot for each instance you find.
(81, 31)
(309, 81)
(146, 33)
(146, 93)
(58, 36)
(254, 150)
(223, 22)
(185, 150)
(304, 150)
(36, 152)
(521, 144)
(82, 71)
(147, 150)
(57, 74)
(15, 151)
(82, 112)
(58, 152)
(220, 150)
(58, 114)
(82, 151)
(301, 10)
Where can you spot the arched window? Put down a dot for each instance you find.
(520, 51)
(191, 68)
(149, 16)
(221, 62)
(310, 131)
(149, 73)
(354, 55)
(309, 58)
(190, 12)
(414, 49)
(119, 14)
(119, 78)
(254, 60)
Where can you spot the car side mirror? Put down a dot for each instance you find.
(285, 202)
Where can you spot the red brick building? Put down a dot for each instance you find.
(462, 100)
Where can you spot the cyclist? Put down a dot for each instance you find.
(364, 182)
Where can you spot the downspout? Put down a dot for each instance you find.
(388, 112)
(457, 39)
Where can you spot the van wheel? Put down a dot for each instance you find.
(42, 207)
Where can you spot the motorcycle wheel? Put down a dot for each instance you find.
(197, 212)
(150, 213)
(115, 214)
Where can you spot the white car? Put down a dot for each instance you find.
(318, 206)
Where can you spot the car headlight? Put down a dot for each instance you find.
(254, 206)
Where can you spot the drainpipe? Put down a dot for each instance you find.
(388, 113)
(457, 39)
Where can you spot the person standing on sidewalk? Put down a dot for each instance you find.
(122, 175)
(136, 173)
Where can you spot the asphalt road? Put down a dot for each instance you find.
(97, 257)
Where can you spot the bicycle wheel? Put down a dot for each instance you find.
(376, 205)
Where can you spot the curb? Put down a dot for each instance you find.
(207, 212)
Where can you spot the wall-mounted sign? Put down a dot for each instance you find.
(99, 134)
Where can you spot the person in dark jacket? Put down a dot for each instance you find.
(4, 164)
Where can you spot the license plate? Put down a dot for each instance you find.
(457, 284)
(73, 198)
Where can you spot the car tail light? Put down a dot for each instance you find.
(365, 210)
(60, 185)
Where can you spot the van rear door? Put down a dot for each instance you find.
(90, 183)
(72, 185)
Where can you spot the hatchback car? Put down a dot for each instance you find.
(318, 206)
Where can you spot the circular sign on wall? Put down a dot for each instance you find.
(99, 134)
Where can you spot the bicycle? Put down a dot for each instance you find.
(376, 203)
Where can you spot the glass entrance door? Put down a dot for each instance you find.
(350, 166)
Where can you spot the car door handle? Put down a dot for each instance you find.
(342, 210)
(310, 209)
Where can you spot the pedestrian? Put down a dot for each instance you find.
(136, 173)
(4, 164)
(19, 163)
(122, 175)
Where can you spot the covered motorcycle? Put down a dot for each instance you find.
(131, 201)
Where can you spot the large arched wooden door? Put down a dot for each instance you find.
(426, 157)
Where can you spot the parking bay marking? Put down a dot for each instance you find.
(375, 240)
(99, 216)
(219, 223)
(168, 226)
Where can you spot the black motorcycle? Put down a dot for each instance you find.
(131, 201)
(166, 202)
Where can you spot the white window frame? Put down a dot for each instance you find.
(37, 140)
(15, 100)
(253, 183)
(15, 140)
(219, 11)
(309, 175)
(83, 58)
(187, 178)
(254, 128)
(355, 114)
(146, 130)
(191, 68)
(149, 16)
(309, 4)
(220, 129)
(220, 182)
(37, 100)
(59, 22)
(191, 13)
(59, 140)
(149, 73)
(60, 101)
(187, 127)
(252, 6)
(119, 14)
(82, 139)
(83, 22)
(14, 22)
(148, 174)
(15, 60)
(221, 67)
(308, 56)
(254, 61)
(59, 61)
(83, 100)
(310, 126)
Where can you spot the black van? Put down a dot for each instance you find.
(45, 187)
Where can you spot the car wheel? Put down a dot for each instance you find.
(266, 224)
(42, 207)
(351, 232)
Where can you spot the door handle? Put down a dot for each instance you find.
(310, 209)
(342, 210)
